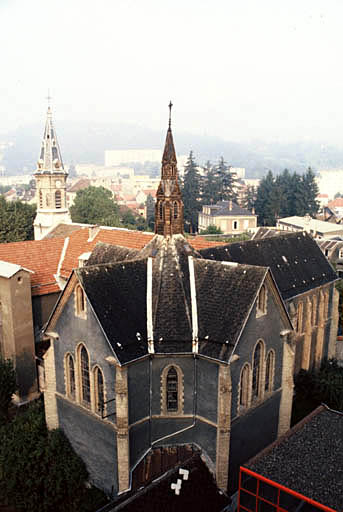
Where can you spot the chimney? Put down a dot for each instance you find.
(253, 211)
(92, 232)
(230, 205)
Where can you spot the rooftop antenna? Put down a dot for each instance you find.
(170, 107)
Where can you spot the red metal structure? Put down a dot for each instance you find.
(260, 494)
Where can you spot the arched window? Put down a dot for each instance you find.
(262, 301)
(99, 390)
(160, 210)
(70, 376)
(58, 199)
(244, 387)
(85, 390)
(80, 301)
(40, 199)
(176, 210)
(268, 385)
(257, 370)
(172, 390)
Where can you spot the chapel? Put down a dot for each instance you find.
(164, 349)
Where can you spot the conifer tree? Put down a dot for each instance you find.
(150, 212)
(191, 194)
(249, 198)
(227, 182)
(210, 185)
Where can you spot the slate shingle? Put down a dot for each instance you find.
(296, 261)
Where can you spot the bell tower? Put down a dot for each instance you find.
(51, 181)
(169, 205)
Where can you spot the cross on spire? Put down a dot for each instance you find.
(170, 107)
(48, 98)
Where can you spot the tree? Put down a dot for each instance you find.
(311, 191)
(8, 386)
(150, 212)
(227, 182)
(249, 198)
(16, 221)
(191, 194)
(39, 470)
(265, 201)
(212, 230)
(95, 205)
(210, 185)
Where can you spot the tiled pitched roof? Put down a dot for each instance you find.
(80, 242)
(40, 256)
(43, 256)
(80, 185)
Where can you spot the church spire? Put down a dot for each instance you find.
(169, 205)
(51, 183)
(50, 159)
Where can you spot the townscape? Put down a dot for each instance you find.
(171, 256)
(169, 358)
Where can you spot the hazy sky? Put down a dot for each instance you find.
(238, 69)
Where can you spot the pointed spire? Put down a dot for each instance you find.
(169, 205)
(169, 155)
(50, 159)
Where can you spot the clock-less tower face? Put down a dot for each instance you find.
(58, 183)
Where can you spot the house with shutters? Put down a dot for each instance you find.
(167, 348)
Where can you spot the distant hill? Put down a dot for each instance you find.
(86, 143)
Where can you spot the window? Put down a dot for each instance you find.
(172, 390)
(262, 301)
(160, 210)
(70, 376)
(326, 304)
(40, 199)
(85, 392)
(99, 390)
(176, 210)
(58, 199)
(268, 385)
(244, 387)
(80, 301)
(257, 370)
(235, 224)
(340, 254)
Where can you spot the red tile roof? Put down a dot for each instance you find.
(80, 242)
(40, 256)
(338, 202)
(43, 256)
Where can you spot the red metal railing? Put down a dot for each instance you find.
(256, 490)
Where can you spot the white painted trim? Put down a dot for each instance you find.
(150, 331)
(195, 329)
(63, 253)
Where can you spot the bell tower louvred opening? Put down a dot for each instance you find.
(169, 205)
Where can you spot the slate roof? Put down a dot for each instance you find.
(43, 256)
(265, 232)
(296, 261)
(222, 208)
(225, 295)
(117, 293)
(308, 459)
(39, 256)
